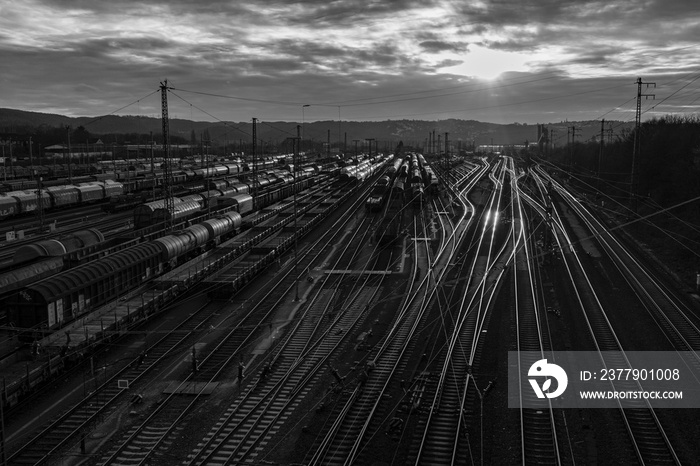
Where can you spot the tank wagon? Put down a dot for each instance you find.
(46, 305)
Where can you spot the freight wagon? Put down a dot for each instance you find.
(44, 306)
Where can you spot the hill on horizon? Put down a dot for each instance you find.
(413, 132)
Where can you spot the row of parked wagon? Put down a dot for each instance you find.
(54, 197)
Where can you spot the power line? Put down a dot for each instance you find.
(122, 108)
(488, 107)
(348, 103)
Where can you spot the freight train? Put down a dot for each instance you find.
(41, 259)
(242, 183)
(47, 304)
(137, 175)
(377, 198)
(42, 307)
(237, 195)
(392, 223)
(55, 197)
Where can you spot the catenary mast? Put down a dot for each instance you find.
(168, 202)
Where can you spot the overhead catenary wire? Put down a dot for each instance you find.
(121, 108)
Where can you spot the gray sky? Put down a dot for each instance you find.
(501, 61)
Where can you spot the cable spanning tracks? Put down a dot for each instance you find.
(153, 434)
(444, 439)
(539, 444)
(358, 418)
(294, 365)
(649, 442)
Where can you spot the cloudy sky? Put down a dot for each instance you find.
(501, 61)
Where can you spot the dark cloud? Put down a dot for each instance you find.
(87, 58)
(440, 46)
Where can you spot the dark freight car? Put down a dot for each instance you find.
(43, 306)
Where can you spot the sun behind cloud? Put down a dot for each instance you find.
(484, 63)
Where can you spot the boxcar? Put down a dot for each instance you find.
(90, 193)
(112, 188)
(47, 304)
(62, 196)
(181, 211)
(28, 200)
(9, 206)
(241, 203)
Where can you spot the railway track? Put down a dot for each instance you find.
(649, 442)
(63, 433)
(79, 420)
(444, 430)
(359, 416)
(154, 433)
(294, 366)
(539, 443)
(341, 442)
(676, 319)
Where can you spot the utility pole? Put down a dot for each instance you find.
(571, 149)
(201, 150)
(70, 160)
(10, 149)
(602, 143)
(40, 201)
(637, 138)
(295, 164)
(339, 132)
(370, 145)
(168, 201)
(255, 163)
(447, 148)
(355, 141)
(153, 167)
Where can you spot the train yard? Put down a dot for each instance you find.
(331, 314)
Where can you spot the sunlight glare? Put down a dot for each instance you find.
(486, 63)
